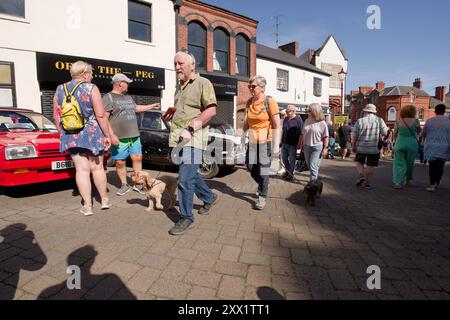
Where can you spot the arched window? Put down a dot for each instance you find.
(242, 55)
(421, 113)
(392, 114)
(221, 50)
(197, 43)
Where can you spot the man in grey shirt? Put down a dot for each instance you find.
(365, 137)
(125, 137)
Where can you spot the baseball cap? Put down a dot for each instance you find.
(120, 77)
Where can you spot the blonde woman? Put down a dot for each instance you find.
(264, 134)
(315, 139)
(85, 146)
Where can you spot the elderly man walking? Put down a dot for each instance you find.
(195, 103)
(365, 137)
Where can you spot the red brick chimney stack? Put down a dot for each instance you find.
(364, 90)
(292, 48)
(418, 83)
(440, 93)
(380, 85)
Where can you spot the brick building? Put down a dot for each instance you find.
(390, 100)
(224, 45)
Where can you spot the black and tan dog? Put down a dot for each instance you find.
(313, 191)
(154, 188)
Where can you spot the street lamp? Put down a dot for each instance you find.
(342, 74)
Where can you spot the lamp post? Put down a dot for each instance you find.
(342, 74)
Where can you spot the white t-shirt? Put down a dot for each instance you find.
(314, 132)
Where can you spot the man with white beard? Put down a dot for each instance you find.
(195, 103)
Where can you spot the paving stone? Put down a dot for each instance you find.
(251, 258)
(205, 261)
(172, 289)
(298, 296)
(124, 270)
(302, 256)
(203, 278)
(143, 279)
(275, 251)
(230, 253)
(154, 261)
(205, 246)
(329, 262)
(258, 276)
(252, 246)
(230, 241)
(202, 293)
(231, 288)
(161, 247)
(183, 253)
(437, 295)
(408, 290)
(351, 295)
(231, 268)
(282, 266)
(39, 284)
(342, 279)
(176, 270)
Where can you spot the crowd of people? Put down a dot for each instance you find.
(272, 134)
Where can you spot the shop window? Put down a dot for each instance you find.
(242, 55)
(13, 8)
(7, 85)
(197, 43)
(317, 87)
(282, 80)
(421, 114)
(139, 21)
(392, 114)
(221, 50)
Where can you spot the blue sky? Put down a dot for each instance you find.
(414, 39)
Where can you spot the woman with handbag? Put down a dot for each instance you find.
(406, 131)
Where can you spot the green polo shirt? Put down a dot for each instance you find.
(190, 101)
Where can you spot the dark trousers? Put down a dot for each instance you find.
(436, 171)
(258, 163)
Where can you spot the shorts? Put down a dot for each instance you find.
(369, 159)
(83, 152)
(126, 147)
(345, 144)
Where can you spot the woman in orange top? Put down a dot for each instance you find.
(263, 126)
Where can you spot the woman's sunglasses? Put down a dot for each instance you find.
(252, 86)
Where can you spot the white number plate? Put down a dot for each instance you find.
(60, 165)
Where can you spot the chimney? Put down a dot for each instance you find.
(440, 93)
(364, 90)
(291, 48)
(354, 92)
(418, 83)
(379, 85)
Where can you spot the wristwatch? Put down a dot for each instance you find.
(191, 130)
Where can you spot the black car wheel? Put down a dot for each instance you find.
(208, 168)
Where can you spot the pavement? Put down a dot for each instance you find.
(287, 251)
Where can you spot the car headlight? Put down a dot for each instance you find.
(20, 152)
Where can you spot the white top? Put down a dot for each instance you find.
(314, 132)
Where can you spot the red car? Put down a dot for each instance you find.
(29, 149)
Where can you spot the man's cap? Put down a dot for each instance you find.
(370, 108)
(120, 77)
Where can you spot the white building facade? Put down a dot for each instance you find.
(39, 40)
(332, 58)
(290, 80)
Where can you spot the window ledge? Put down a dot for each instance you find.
(13, 18)
(145, 43)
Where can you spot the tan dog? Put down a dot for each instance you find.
(154, 188)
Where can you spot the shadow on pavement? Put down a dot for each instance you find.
(38, 188)
(266, 293)
(18, 251)
(91, 286)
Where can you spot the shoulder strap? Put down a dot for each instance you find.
(409, 128)
(76, 87)
(266, 103)
(66, 92)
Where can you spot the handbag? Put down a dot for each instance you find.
(412, 133)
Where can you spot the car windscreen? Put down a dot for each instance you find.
(152, 121)
(10, 120)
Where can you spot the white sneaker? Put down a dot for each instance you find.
(431, 188)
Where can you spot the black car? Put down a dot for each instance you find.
(224, 148)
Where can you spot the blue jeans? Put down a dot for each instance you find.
(190, 182)
(313, 158)
(288, 156)
(258, 163)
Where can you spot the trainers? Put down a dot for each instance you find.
(123, 190)
(260, 203)
(360, 181)
(431, 188)
(105, 204)
(139, 188)
(181, 226)
(207, 206)
(368, 186)
(87, 211)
